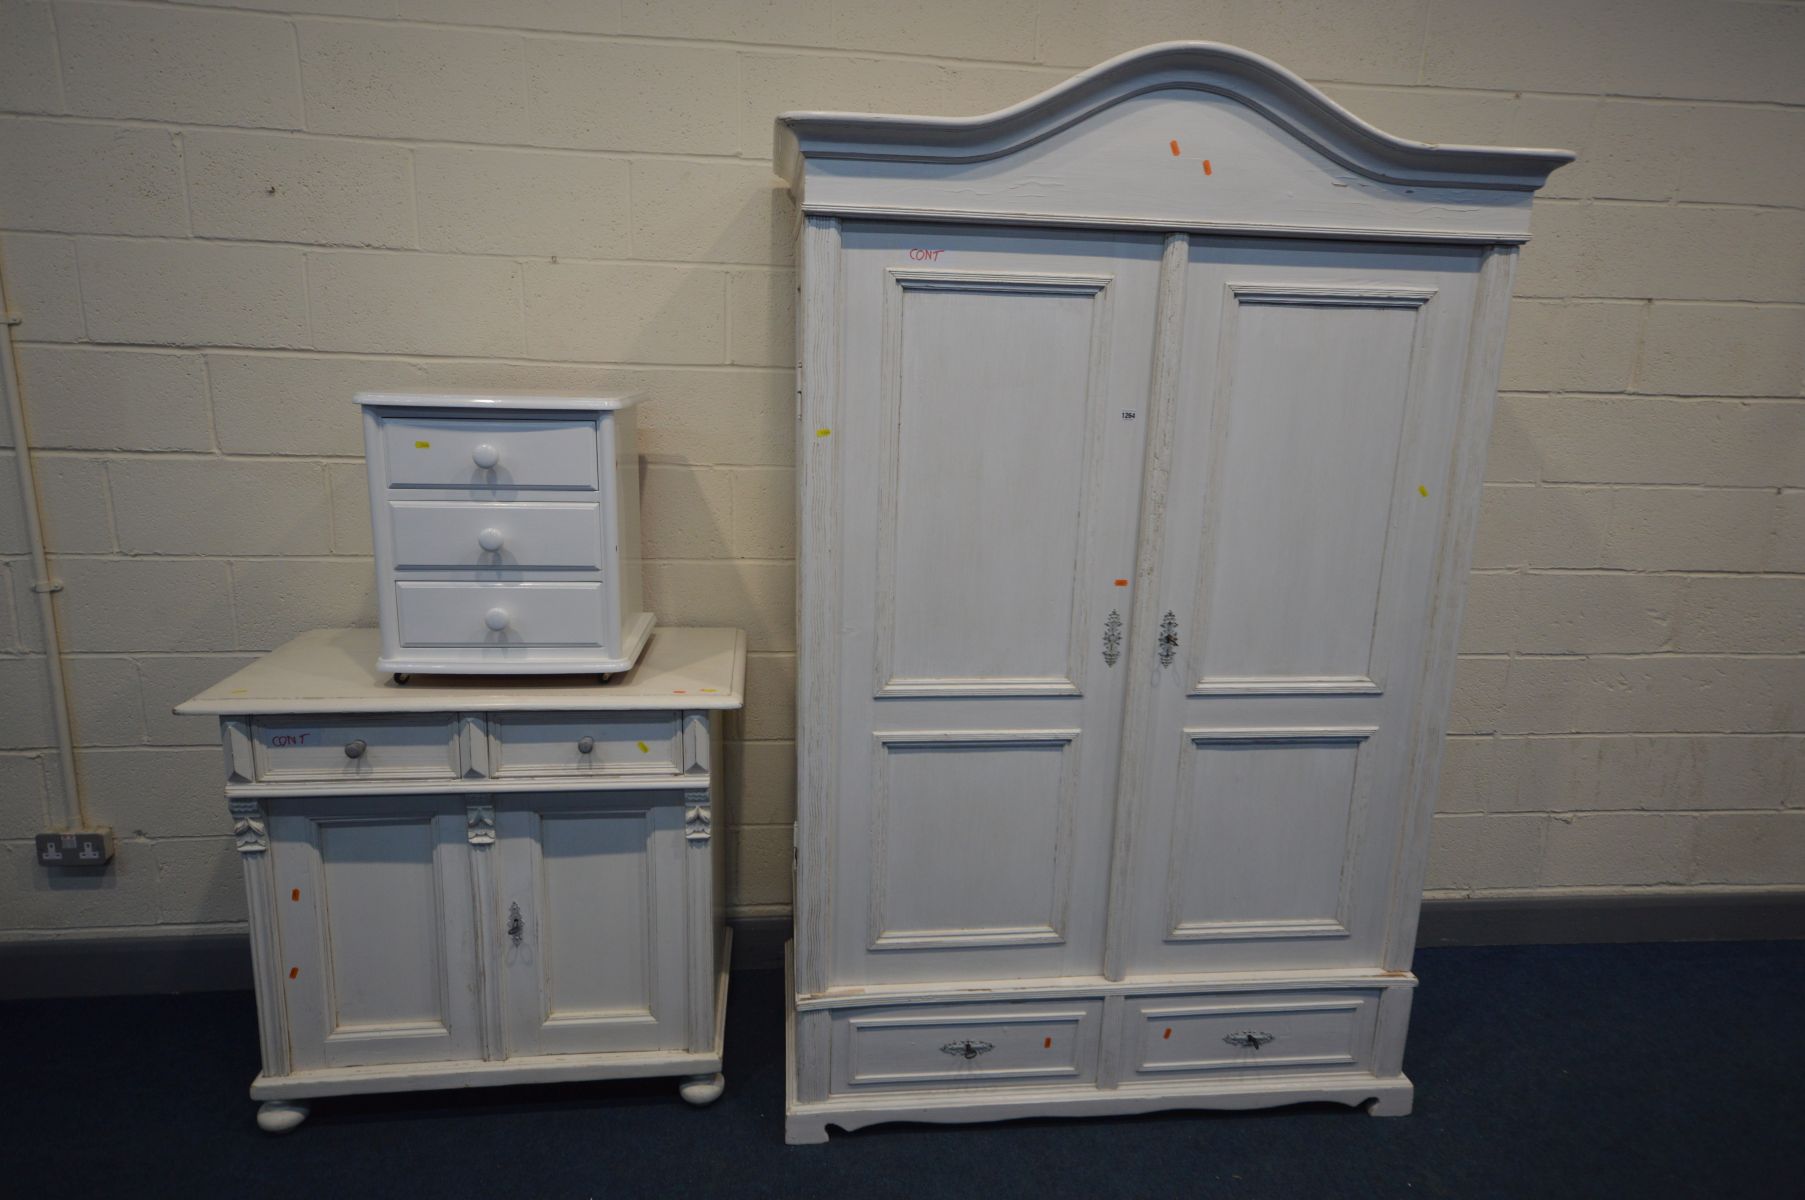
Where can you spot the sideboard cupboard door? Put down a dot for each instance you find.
(591, 921)
(991, 422)
(374, 930)
(1305, 506)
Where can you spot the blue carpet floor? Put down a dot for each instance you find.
(1541, 1072)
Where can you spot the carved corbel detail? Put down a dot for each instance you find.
(248, 828)
(698, 817)
(479, 824)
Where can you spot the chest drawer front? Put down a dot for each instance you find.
(628, 743)
(1279, 1032)
(1024, 1044)
(321, 749)
(433, 613)
(438, 533)
(422, 451)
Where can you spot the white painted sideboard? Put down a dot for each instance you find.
(1141, 430)
(472, 881)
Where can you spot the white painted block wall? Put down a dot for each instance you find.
(220, 219)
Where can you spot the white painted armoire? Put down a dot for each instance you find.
(1141, 435)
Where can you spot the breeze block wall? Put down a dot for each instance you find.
(222, 219)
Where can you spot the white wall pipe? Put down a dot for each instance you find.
(42, 585)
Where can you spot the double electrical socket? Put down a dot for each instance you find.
(76, 848)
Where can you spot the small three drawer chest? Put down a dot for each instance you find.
(506, 532)
(472, 882)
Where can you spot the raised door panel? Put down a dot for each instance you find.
(989, 447)
(1303, 468)
(1264, 830)
(374, 926)
(1319, 406)
(973, 839)
(591, 925)
(990, 416)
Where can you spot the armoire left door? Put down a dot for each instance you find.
(990, 447)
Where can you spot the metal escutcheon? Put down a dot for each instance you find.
(967, 1048)
(1248, 1039)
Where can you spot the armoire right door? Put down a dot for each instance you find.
(1316, 417)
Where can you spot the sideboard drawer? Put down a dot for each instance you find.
(1029, 1043)
(1315, 1032)
(423, 451)
(435, 613)
(445, 533)
(321, 749)
(628, 743)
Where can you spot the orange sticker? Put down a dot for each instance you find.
(1168, 1032)
(1174, 147)
(1206, 167)
(1121, 583)
(1047, 1045)
(293, 971)
(295, 895)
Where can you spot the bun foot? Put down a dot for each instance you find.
(702, 1089)
(273, 1116)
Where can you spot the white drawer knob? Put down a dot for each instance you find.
(496, 619)
(489, 539)
(486, 456)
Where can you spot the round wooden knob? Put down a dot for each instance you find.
(585, 745)
(355, 748)
(490, 540)
(496, 619)
(485, 456)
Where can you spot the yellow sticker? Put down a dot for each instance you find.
(1422, 491)
(423, 445)
(823, 432)
(711, 690)
(643, 748)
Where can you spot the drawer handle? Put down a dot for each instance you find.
(1248, 1039)
(355, 748)
(496, 619)
(585, 745)
(490, 540)
(485, 456)
(967, 1048)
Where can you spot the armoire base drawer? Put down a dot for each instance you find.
(1030, 1043)
(1170, 1037)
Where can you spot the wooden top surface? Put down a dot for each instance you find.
(501, 401)
(334, 671)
